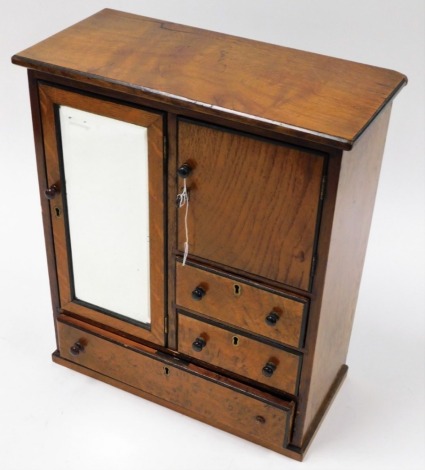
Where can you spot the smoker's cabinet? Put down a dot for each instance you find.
(206, 203)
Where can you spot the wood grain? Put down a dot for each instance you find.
(253, 203)
(207, 398)
(340, 273)
(247, 358)
(246, 310)
(51, 97)
(261, 126)
(296, 93)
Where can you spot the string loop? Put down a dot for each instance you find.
(183, 200)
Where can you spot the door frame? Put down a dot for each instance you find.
(50, 98)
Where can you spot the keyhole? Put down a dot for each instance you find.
(166, 371)
(235, 341)
(237, 289)
(58, 211)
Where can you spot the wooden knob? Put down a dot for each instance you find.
(199, 344)
(272, 318)
(76, 349)
(268, 369)
(51, 192)
(184, 171)
(198, 293)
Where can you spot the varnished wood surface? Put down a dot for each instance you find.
(297, 93)
(51, 96)
(254, 212)
(210, 399)
(337, 296)
(253, 203)
(245, 308)
(45, 204)
(239, 354)
(324, 408)
(171, 185)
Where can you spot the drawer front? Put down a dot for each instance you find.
(242, 305)
(239, 354)
(253, 202)
(266, 419)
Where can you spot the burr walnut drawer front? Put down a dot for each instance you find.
(278, 317)
(240, 354)
(190, 390)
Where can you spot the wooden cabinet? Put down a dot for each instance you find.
(206, 203)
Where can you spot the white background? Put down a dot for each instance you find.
(53, 418)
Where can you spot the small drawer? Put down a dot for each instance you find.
(238, 353)
(224, 403)
(239, 304)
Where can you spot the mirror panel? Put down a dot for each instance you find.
(105, 165)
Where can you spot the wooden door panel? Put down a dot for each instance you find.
(253, 203)
(51, 99)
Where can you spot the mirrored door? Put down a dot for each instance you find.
(104, 181)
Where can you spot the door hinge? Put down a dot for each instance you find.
(165, 143)
(313, 265)
(166, 325)
(323, 188)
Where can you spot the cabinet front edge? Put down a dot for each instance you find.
(281, 128)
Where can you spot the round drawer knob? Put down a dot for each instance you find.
(51, 192)
(268, 369)
(272, 319)
(198, 293)
(260, 419)
(76, 349)
(184, 171)
(199, 344)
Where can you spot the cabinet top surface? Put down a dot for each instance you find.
(301, 94)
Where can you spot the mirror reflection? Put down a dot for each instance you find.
(105, 163)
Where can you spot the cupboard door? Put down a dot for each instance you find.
(253, 203)
(104, 165)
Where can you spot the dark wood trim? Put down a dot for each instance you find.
(172, 228)
(104, 311)
(315, 257)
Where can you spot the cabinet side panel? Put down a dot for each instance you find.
(356, 193)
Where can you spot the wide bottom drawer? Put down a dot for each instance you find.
(216, 400)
